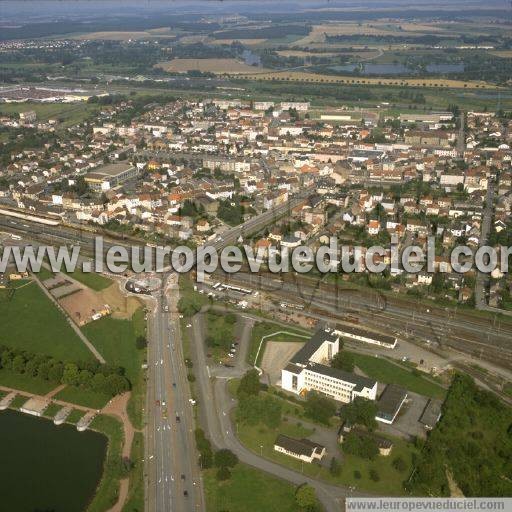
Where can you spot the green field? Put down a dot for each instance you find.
(248, 490)
(92, 280)
(23, 382)
(52, 410)
(31, 322)
(385, 371)
(83, 397)
(260, 440)
(75, 416)
(18, 401)
(66, 114)
(135, 500)
(115, 340)
(108, 489)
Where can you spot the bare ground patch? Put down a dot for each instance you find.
(276, 357)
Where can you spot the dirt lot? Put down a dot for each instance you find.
(207, 65)
(83, 304)
(276, 356)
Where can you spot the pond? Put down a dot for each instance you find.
(45, 467)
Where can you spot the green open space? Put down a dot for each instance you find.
(24, 382)
(31, 322)
(135, 500)
(83, 397)
(66, 114)
(115, 340)
(248, 490)
(52, 410)
(18, 401)
(220, 333)
(74, 416)
(108, 488)
(260, 439)
(387, 372)
(94, 281)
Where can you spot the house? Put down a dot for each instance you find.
(302, 449)
(373, 227)
(431, 414)
(203, 225)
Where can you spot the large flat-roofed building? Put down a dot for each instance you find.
(358, 334)
(308, 370)
(390, 402)
(110, 176)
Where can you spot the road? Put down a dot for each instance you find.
(174, 481)
(481, 278)
(216, 405)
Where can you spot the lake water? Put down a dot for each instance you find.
(398, 69)
(45, 467)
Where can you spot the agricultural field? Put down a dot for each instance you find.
(218, 66)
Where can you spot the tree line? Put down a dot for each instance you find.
(88, 375)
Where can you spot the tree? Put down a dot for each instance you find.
(141, 342)
(360, 445)
(374, 475)
(305, 497)
(343, 361)
(357, 474)
(399, 464)
(272, 412)
(189, 306)
(335, 467)
(223, 474)
(225, 458)
(361, 412)
(319, 408)
(18, 364)
(249, 384)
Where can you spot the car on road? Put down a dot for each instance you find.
(178, 419)
(174, 384)
(157, 402)
(183, 477)
(185, 493)
(164, 413)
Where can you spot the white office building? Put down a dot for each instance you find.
(309, 370)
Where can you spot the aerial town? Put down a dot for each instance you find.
(277, 386)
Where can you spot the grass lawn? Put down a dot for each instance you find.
(74, 416)
(260, 440)
(83, 397)
(108, 488)
(66, 113)
(507, 388)
(45, 274)
(220, 333)
(248, 490)
(115, 340)
(24, 382)
(264, 329)
(135, 500)
(385, 371)
(92, 280)
(52, 410)
(18, 401)
(31, 322)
